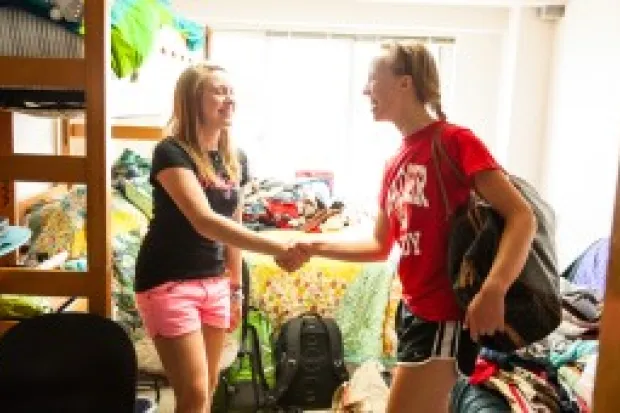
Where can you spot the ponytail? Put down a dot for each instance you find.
(436, 106)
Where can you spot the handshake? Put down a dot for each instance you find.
(295, 256)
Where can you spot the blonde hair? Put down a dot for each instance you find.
(188, 117)
(415, 60)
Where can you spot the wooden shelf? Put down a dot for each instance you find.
(42, 168)
(43, 72)
(29, 281)
(148, 128)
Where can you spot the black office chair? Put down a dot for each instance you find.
(67, 362)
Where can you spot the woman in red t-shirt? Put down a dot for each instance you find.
(402, 84)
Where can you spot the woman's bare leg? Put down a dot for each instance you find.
(423, 388)
(214, 345)
(185, 361)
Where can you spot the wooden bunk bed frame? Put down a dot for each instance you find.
(145, 128)
(607, 383)
(87, 74)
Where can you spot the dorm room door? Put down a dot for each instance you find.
(607, 387)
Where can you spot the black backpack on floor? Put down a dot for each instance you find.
(309, 363)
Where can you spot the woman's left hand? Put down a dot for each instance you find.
(485, 314)
(235, 313)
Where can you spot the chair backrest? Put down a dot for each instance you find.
(67, 362)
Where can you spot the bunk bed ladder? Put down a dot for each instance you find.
(93, 169)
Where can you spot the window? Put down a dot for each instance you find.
(300, 105)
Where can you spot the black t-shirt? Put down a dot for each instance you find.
(172, 249)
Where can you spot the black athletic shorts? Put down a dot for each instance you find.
(420, 341)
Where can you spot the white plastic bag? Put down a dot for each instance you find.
(366, 392)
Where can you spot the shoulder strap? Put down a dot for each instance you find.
(441, 150)
(245, 303)
(335, 343)
(438, 153)
(259, 357)
(256, 364)
(291, 361)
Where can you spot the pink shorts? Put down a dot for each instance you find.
(180, 307)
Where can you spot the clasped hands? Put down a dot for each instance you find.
(295, 256)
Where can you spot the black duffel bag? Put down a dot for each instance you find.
(533, 306)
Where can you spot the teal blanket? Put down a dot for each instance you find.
(135, 23)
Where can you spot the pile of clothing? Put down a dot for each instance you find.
(553, 375)
(520, 384)
(305, 204)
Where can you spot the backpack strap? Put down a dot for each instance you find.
(256, 365)
(335, 344)
(245, 303)
(259, 356)
(292, 359)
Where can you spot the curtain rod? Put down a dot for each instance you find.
(354, 36)
(335, 34)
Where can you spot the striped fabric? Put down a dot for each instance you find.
(446, 342)
(26, 35)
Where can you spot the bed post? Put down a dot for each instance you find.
(98, 233)
(64, 144)
(8, 203)
(208, 41)
(607, 383)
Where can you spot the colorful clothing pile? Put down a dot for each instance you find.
(553, 375)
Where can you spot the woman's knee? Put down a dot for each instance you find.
(214, 380)
(193, 397)
(424, 388)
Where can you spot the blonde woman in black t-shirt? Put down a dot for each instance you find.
(188, 272)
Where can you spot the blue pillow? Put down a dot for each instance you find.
(12, 238)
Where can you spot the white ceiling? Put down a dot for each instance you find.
(489, 3)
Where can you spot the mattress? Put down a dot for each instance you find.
(26, 35)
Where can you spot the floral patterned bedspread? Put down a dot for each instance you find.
(355, 295)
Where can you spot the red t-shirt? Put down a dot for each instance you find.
(411, 197)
